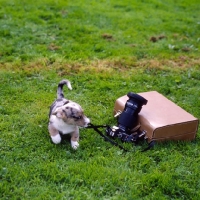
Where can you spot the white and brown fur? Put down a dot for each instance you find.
(65, 117)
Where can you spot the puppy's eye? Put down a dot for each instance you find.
(77, 118)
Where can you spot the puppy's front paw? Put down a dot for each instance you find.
(74, 144)
(56, 139)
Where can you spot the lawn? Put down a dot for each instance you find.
(106, 49)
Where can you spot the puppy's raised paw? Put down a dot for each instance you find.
(74, 144)
(56, 139)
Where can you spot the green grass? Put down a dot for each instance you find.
(97, 29)
(105, 49)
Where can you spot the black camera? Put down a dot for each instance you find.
(128, 128)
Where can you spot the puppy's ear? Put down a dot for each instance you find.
(58, 114)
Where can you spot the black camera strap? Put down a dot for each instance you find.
(95, 127)
(106, 138)
(150, 145)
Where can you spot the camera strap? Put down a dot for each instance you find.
(95, 127)
(106, 138)
(150, 145)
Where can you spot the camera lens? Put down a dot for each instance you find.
(137, 97)
(129, 117)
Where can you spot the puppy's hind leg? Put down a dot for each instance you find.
(54, 134)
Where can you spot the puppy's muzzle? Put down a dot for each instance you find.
(87, 121)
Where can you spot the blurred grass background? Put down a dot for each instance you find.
(85, 30)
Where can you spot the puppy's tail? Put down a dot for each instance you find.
(60, 94)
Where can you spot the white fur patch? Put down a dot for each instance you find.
(62, 126)
(74, 144)
(69, 85)
(87, 121)
(56, 139)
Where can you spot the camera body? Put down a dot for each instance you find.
(127, 128)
